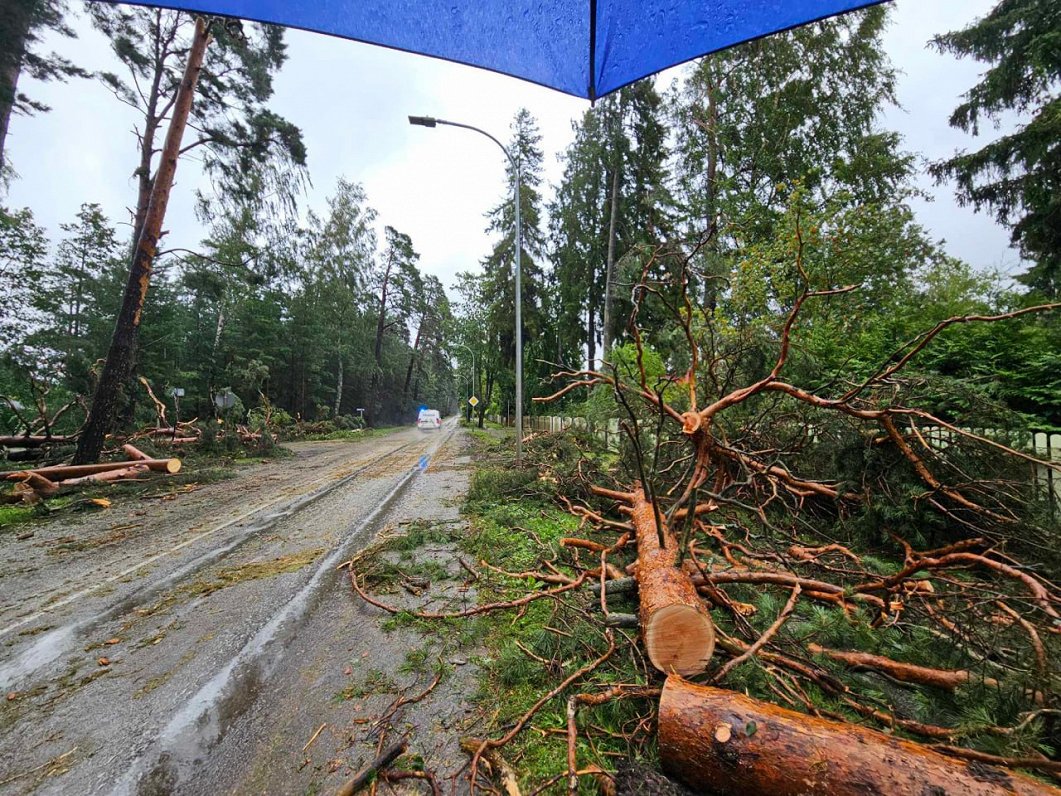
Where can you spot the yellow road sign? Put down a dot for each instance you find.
(473, 401)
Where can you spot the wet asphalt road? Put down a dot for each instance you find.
(192, 646)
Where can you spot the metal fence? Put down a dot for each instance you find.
(607, 432)
(1046, 447)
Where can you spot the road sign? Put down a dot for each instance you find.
(225, 400)
(473, 401)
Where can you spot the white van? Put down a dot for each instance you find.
(429, 420)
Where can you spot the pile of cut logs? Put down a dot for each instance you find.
(43, 482)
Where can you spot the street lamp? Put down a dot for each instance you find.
(430, 121)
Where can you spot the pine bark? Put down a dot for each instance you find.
(487, 395)
(413, 357)
(119, 364)
(338, 389)
(152, 120)
(62, 472)
(723, 742)
(610, 270)
(377, 349)
(675, 626)
(18, 19)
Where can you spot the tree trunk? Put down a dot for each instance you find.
(675, 626)
(79, 289)
(724, 742)
(63, 471)
(152, 120)
(412, 363)
(377, 350)
(591, 332)
(118, 366)
(711, 200)
(35, 441)
(487, 394)
(18, 18)
(416, 382)
(219, 328)
(338, 389)
(610, 271)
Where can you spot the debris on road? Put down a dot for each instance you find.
(35, 485)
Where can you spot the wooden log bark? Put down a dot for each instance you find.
(64, 472)
(722, 742)
(675, 625)
(31, 488)
(132, 471)
(35, 440)
(134, 452)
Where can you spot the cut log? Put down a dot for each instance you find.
(675, 625)
(35, 441)
(40, 484)
(130, 472)
(65, 472)
(723, 742)
(134, 452)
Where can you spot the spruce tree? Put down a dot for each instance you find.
(1017, 176)
(499, 265)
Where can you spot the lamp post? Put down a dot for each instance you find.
(430, 121)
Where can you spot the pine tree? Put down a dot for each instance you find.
(754, 121)
(498, 267)
(1017, 176)
(612, 198)
(576, 225)
(64, 294)
(22, 23)
(235, 132)
(23, 248)
(341, 253)
(397, 286)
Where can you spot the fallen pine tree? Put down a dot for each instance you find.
(675, 625)
(717, 741)
(915, 596)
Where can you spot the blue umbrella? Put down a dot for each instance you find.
(587, 48)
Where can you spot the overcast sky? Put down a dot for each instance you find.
(351, 101)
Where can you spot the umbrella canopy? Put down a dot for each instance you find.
(587, 48)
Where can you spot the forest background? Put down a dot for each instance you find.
(319, 313)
